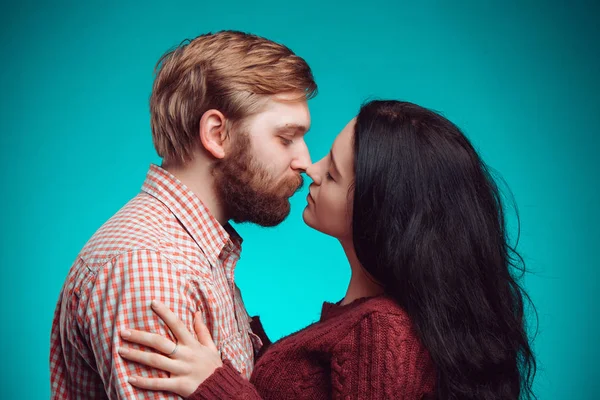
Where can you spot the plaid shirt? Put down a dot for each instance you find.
(163, 245)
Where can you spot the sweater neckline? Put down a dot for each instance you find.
(331, 310)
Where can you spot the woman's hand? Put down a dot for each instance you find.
(189, 362)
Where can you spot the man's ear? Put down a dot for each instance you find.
(213, 132)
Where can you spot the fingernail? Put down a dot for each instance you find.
(125, 333)
(154, 303)
(123, 350)
(132, 379)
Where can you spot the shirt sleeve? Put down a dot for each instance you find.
(119, 297)
(381, 358)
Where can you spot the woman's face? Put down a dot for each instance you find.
(330, 198)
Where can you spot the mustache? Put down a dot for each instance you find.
(300, 183)
(291, 185)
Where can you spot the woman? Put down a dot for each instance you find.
(432, 308)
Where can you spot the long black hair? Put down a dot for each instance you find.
(429, 225)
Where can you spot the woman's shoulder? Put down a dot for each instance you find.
(382, 325)
(384, 316)
(383, 306)
(383, 349)
(382, 310)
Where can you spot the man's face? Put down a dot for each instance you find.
(262, 167)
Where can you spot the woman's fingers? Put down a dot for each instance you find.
(174, 323)
(167, 384)
(149, 359)
(202, 332)
(152, 340)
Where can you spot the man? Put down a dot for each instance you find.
(228, 114)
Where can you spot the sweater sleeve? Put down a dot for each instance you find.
(381, 358)
(225, 383)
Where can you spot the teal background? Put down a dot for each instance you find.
(520, 78)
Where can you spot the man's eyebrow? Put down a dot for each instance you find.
(295, 128)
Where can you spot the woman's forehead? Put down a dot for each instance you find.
(342, 148)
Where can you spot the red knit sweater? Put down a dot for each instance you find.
(363, 350)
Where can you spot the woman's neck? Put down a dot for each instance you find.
(361, 284)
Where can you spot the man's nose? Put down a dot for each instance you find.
(301, 160)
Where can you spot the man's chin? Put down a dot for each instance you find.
(276, 220)
(266, 220)
(270, 223)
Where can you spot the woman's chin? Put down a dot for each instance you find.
(309, 218)
(306, 216)
(311, 221)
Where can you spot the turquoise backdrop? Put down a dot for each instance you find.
(520, 78)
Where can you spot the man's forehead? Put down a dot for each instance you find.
(282, 114)
(291, 118)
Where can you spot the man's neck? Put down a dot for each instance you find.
(197, 177)
(361, 284)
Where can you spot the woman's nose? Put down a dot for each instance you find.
(313, 172)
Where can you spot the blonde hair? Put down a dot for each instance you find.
(229, 71)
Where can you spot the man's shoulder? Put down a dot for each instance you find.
(144, 223)
(143, 234)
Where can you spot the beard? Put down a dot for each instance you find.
(248, 191)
